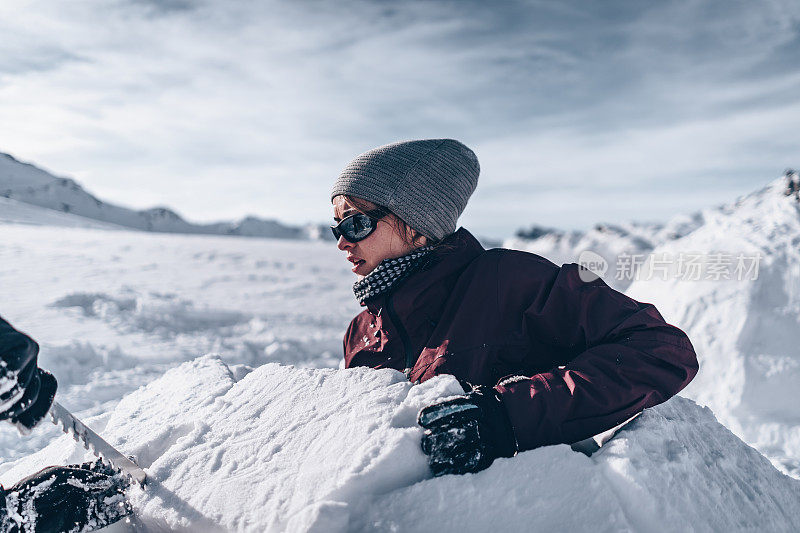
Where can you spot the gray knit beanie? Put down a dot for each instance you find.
(426, 183)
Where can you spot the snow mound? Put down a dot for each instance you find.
(746, 331)
(287, 449)
(675, 468)
(745, 324)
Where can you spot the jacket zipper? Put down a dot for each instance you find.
(410, 359)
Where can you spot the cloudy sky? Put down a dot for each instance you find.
(579, 111)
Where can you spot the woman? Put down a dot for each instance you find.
(546, 357)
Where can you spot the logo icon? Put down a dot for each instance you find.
(593, 265)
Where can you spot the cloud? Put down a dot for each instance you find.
(642, 173)
(165, 6)
(225, 108)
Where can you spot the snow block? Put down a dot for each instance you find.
(282, 449)
(294, 449)
(675, 468)
(741, 312)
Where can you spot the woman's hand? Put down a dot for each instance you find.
(26, 391)
(65, 498)
(467, 433)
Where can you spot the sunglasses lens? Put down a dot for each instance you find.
(359, 227)
(354, 228)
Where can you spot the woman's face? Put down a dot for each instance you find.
(383, 243)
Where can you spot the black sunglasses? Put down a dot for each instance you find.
(358, 226)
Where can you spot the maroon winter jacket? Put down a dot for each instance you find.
(569, 358)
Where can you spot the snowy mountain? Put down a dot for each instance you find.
(12, 211)
(29, 184)
(623, 247)
(609, 241)
(280, 448)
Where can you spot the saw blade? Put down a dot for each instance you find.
(95, 443)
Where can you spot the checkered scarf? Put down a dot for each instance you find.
(388, 273)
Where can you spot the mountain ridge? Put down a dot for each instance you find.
(26, 183)
(612, 241)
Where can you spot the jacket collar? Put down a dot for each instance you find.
(457, 251)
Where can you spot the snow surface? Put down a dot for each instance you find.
(113, 310)
(289, 449)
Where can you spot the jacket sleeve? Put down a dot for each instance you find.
(346, 340)
(619, 355)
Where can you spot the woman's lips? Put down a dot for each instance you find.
(356, 262)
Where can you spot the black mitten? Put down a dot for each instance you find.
(467, 433)
(67, 498)
(26, 391)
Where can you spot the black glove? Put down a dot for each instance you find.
(26, 391)
(65, 498)
(467, 433)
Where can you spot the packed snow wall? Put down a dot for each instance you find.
(281, 448)
(730, 277)
(742, 313)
